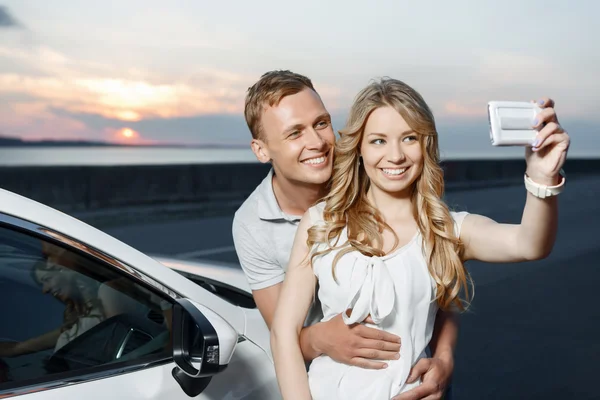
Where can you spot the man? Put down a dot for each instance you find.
(292, 130)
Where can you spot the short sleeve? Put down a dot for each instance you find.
(458, 218)
(316, 214)
(260, 269)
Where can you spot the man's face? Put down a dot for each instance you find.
(298, 139)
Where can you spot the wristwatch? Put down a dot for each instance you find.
(543, 191)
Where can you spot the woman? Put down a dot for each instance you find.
(83, 309)
(385, 248)
(86, 301)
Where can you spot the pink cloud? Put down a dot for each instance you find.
(464, 109)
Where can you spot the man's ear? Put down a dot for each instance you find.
(260, 150)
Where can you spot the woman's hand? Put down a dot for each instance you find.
(548, 151)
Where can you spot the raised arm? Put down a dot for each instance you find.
(295, 299)
(532, 239)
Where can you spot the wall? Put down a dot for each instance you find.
(101, 192)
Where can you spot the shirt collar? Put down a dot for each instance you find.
(268, 207)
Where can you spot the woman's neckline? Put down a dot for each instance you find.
(393, 252)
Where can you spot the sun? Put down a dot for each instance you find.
(128, 134)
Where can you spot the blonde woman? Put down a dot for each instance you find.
(386, 250)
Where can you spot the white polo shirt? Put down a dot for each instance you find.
(263, 236)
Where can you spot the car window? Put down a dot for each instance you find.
(65, 312)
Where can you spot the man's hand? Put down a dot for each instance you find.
(355, 344)
(435, 374)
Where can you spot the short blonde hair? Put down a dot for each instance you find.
(269, 90)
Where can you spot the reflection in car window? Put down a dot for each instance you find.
(64, 312)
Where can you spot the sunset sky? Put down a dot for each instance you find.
(156, 71)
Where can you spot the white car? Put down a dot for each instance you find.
(85, 316)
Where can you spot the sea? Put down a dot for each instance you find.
(112, 156)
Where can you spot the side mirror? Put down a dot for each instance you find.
(203, 344)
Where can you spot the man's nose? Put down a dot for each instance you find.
(315, 140)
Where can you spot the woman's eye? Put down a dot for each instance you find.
(410, 138)
(378, 141)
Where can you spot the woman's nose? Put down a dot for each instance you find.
(395, 154)
(45, 288)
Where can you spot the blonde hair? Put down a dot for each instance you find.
(347, 205)
(268, 91)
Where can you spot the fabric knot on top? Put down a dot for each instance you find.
(372, 292)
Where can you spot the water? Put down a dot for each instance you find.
(86, 156)
(54, 156)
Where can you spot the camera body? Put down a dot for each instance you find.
(511, 122)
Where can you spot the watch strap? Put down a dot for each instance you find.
(543, 191)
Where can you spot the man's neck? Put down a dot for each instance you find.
(295, 198)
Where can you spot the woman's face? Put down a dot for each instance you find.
(391, 152)
(55, 280)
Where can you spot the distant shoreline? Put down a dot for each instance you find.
(16, 142)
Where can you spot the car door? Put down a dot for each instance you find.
(78, 322)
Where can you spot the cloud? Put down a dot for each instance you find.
(190, 108)
(32, 120)
(131, 95)
(6, 19)
(211, 128)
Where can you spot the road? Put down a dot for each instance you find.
(533, 329)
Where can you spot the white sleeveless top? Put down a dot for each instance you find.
(397, 291)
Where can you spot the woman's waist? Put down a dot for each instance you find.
(330, 371)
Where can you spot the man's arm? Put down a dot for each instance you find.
(353, 345)
(445, 334)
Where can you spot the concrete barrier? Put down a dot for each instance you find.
(101, 193)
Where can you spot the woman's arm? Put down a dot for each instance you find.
(42, 342)
(295, 299)
(532, 239)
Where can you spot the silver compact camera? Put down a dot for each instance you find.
(511, 122)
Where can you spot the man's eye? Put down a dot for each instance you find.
(294, 134)
(323, 124)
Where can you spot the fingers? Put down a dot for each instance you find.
(378, 334)
(552, 131)
(424, 391)
(381, 345)
(559, 139)
(367, 364)
(377, 354)
(543, 117)
(419, 369)
(545, 102)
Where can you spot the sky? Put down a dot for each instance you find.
(154, 71)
